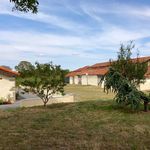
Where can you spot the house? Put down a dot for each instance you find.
(7, 84)
(91, 75)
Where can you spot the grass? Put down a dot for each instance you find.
(88, 93)
(90, 125)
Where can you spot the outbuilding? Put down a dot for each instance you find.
(7, 84)
(91, 75)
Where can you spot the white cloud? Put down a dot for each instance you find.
(96, 11)
(59, 45)
(105, 36)
(43, 17)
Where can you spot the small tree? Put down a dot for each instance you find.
(44, 80)
(124, 76)
(126, 92)
(131, 69)
(26, 5)
(23, 66)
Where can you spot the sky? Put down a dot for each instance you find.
(73, 33)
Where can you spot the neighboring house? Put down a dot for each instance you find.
(7, 84)
(91, 75)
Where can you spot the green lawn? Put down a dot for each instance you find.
(88, 93)
(91, 125)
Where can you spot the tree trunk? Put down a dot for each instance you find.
(44, 104)
(145, 106)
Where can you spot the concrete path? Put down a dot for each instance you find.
(10, 106)
(23, 96)
(30, 100)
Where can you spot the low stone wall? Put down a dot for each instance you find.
(38, 102)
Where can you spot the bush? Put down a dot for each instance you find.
(4, 102)
(1, 101)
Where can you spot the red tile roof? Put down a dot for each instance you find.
(77, 71)
(94, 71)
(104, 64)
(102, 68)
(141, 59)
(8, 71)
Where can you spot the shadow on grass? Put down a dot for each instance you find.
(58, 106)
(94, 105)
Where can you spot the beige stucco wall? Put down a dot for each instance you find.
(92, 80)
(84, 80)
(76, 80)
(145, 86)
(7, 88)
(71, 80)
(39, 102)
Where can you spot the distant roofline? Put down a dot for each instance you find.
(96, 67)
(107, 62)
(9, 71)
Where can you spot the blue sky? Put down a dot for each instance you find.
(73, 33)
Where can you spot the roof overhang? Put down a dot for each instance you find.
(8, 72)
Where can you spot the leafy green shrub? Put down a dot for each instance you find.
(44, 80)
(124, 76)
(6, 102)
(1, 100)
(126, 92)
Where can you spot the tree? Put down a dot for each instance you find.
(23, 66)
(44, 80)
(131, 69)
(25, 5)
(124, 76)
(126, 92)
